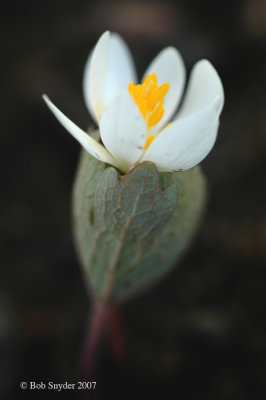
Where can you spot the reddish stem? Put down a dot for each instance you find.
(117, 336)
(90, 357)
(105, 319)
(97, 328)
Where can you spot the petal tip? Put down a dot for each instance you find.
(45, 98)
(105, 36)
(171, 50)
(48, 102)
(205, 86)
(206, 66)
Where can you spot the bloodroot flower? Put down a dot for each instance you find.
(133, 119)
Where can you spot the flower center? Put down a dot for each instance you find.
(149, 98)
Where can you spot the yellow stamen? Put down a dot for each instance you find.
(149, 97)
(164, 89)
(149, 141)
(143, 107)
(156, 115)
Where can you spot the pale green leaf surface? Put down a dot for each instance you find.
(129, 233)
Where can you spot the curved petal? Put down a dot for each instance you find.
(108, 71)
(86, 91)
(121, 69)
(185, 142)
(123, 130)
(87, 142)
(169, 67)
(204, 87)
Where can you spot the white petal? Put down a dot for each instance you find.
(121, 69)
(203, 88)
(169, 67)
(86, 85)
(95, 71)
(87, 142)
(107, 73)
(123, 130)
(185, 142)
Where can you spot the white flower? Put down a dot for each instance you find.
(133, 119)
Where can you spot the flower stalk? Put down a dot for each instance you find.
(98, 327)
(105, 323)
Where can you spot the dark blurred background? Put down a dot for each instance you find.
(199, 334)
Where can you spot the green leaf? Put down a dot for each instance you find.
(129, 232)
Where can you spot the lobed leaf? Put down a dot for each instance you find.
(129, 232)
